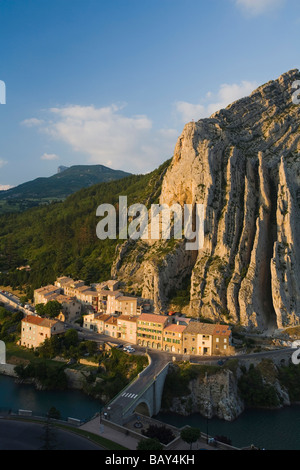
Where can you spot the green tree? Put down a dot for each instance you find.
(24, 299)
(54, 413)
(149, 444)
(71, 338)
(162, 433)
(40, 309)
(49, 436)
(52, 309)
(190, 435)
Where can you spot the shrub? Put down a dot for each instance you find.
(162, 433)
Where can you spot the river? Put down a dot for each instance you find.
(70, 403)
(269, 429)
(266, 429)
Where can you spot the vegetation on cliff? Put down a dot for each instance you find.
(264, 385)
(10, 325)
(254, 391)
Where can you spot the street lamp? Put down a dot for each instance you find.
(206, 428)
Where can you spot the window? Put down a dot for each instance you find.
(217, 340)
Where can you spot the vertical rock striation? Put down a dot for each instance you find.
(243, 165)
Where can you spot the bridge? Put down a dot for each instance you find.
(146, 390)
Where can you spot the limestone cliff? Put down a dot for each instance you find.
(220, 391)
(212, 396)
(243, 165)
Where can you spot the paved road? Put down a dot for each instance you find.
(19, 435)
(165, 357)
(158, 362)
(12, 303)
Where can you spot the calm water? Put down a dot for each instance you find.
(279, 429)
(70, 403)
(269, 429)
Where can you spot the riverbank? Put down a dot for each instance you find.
(70, 403)
(266, 429)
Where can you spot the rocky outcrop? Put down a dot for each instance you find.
(212, 396)
(243, 165)
(217, 393)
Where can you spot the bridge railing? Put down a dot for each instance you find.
(130, 384)
(144, 389)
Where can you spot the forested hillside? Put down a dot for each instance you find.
(61, 238)
(56, 188)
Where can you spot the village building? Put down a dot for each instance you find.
(62, 281)
(35, 330)
(150, 330)
(111, 285)
(127, 328)
(42, 295)
(173, 338)
(111, 327)
(112, 305)
(126, 305)
(222, 341)
(86, 296)
(197, 339)
(70, 288)
(205, 339)
(95, 322)
(70, 308)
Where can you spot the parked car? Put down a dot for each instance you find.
(129, 349)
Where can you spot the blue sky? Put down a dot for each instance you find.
(113, 82)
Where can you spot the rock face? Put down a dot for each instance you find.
(214, 396)
(217, 394)
(243, 165)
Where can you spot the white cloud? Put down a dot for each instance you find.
(49, 156)
(226, 95)
(259, 7)
(109, 137)
(2, 162)
(5, 187)
(32, 122)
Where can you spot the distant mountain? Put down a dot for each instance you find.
(62, 168)
(61, 238)
(57, 187)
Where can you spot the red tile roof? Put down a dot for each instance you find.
(152, 318)
(34, 320)
(175, 328)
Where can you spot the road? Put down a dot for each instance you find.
(12, 303)
(158, 362)
(22, 435)
(165, 357)
(159, 358)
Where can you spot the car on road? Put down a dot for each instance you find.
(129, 349)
